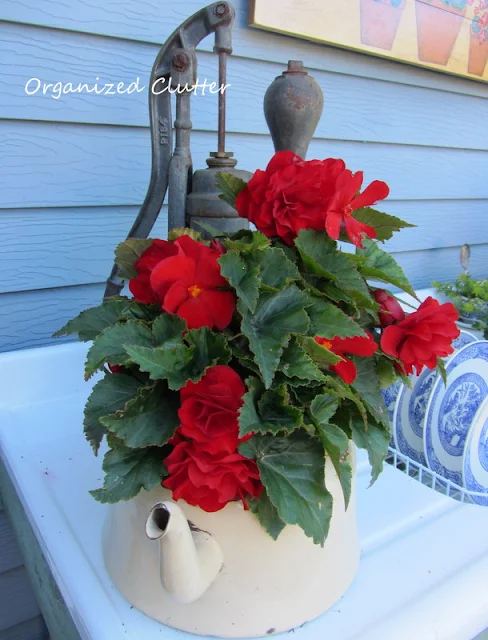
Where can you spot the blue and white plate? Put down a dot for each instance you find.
(475, 459)
(390, 395)
(465, 337)
(411, 406)
(451, 409)
(408, 431)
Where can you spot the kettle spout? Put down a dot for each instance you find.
(190, 559)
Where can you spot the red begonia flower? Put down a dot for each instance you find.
(423, 336)
(356, 346)
(140, 286)
(209, 409)
(210, 481)
(346, 200)
(391, 310)
(292, 194)
(190, 285)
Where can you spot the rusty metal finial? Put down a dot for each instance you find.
(292, 106)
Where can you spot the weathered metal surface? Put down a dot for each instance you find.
(175, 66)
(292, 106)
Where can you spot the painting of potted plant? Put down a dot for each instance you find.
(438, 26)
(379, 22)
(478, 44)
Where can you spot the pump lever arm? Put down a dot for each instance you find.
(175, 65)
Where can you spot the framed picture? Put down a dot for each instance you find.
(447, 35)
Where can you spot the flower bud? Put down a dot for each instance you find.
(216, 245)
(390, 310)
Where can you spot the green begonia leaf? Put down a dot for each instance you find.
(328, 321)
(91, 322)
(379, 265)
(127, 471)
(109, 345)
(168, 330)
(277, 316)
(375, 439)
(367, 385)
(384, 224)
(246, 241)
(296, 363)
(321, 257)
(149, 419)
(267, 514)
(334, 440)
(230, 186)
(128, 253)
(323, 357)
(208, 349)
(292, 471)
(276, 270)
(242, 277)
(267, 411)
(110, 394)
(180, 363)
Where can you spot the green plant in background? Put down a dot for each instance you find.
(470, 297)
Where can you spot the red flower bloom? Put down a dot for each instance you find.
(346, 200)
(391, 310)
(422, 336)
(140, 286)
(292, 194)
(190, 285)
(208, 481)
(357, 346)
(209, 409)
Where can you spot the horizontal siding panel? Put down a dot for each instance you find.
(18, 602)
(387, 112)
(34, 629)
(62, 247)
(422, 267)
(28, 319)
(46, 165)
(10, 556)
(46, 248)
(151, 21)
(440, 223)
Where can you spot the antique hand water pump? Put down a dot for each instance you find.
(293, 105)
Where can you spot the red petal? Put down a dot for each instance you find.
(176, 295)
(333, 224)
(175, 269)
(282, 159)
(390, 339)
(346, 369)
(219, 305)
(377, 190)
(196, 314)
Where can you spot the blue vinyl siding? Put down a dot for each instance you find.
(74, 170)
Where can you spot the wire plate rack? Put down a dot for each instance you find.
(433, 480)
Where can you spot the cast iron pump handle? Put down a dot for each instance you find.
(176, 67)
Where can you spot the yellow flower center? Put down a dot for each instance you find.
(348, 211)
(325, 343)
(194, 291)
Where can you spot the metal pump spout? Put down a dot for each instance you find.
(190, 559)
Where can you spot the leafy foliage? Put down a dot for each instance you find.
(297, 413)
(384, 224)
(292, 470)
(128, 253)
(230, 187)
